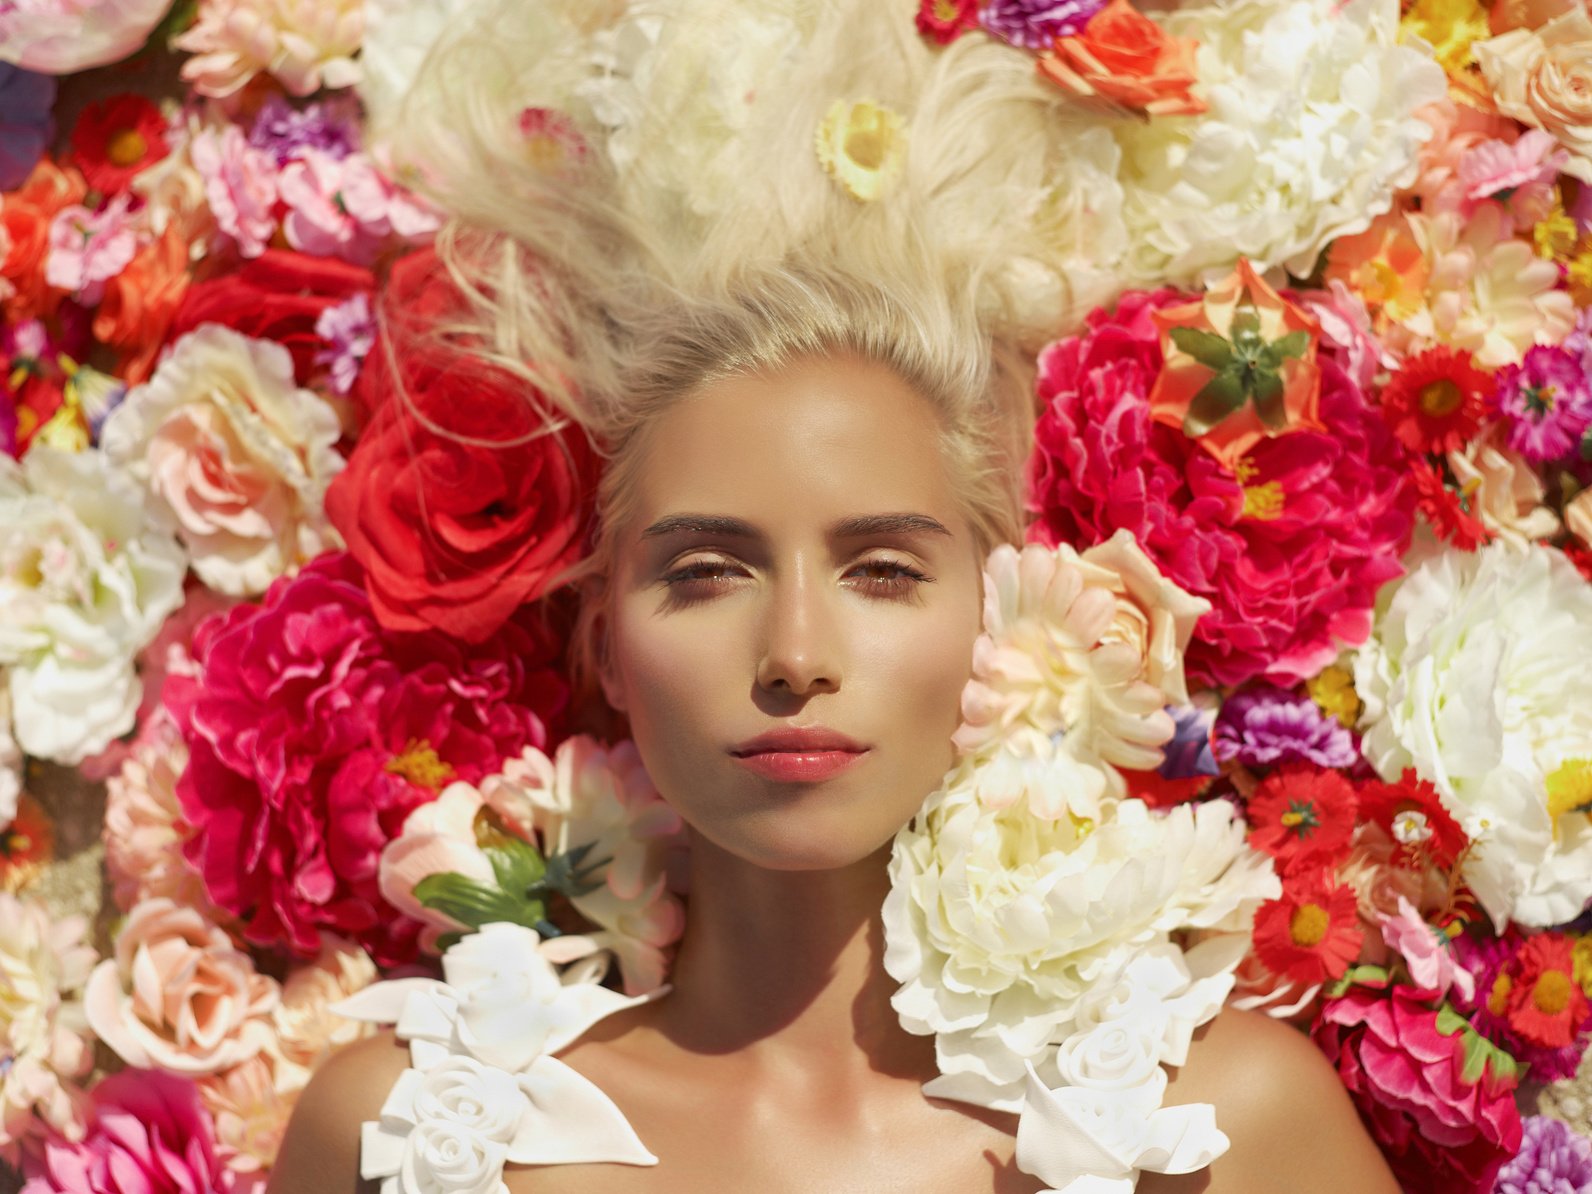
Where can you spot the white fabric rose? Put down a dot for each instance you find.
(476, 1097)
(447, 1158)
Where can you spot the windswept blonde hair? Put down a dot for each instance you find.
(687, 235)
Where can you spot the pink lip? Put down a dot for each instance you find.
(800, 767)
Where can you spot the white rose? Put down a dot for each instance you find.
(471, 1095)
(237, 456)
(1116, 1056)
(446, 1158)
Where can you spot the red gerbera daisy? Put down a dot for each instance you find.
(1311, 933)
(1435, 402)
(1447, 512)
(1546, 1005)
(1410, 811)
(1302, 816)
(946, 20)
(115, 139)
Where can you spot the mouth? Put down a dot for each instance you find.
(800, 766)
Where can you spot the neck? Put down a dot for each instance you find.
(786, 969)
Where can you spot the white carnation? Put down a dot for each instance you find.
(1475, 677)
(85, 584)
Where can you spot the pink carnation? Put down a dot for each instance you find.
(1290, 553)
(343, 207)
(1441, 1133)
(88, 248)
(312, 735)
(240, 186)
(150, 1136)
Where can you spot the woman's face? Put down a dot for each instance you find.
(741, 604)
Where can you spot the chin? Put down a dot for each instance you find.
(787, 840)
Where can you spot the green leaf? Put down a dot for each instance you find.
(1285, 348)
(473, 903)
(1268, 401)
(567, 874)
(1207, 348)
(1586, 445)
(1366, 975)
(1481, 1055)
(516, 863)
(1217, 399)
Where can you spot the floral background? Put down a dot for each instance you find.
(1287, 690)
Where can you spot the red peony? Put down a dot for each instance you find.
(1436, 1097)
(1436, 401)
(1311, 933)
(313, 733)
(1290, 548)
(1303, 816)
(276, 296)
(115, 139)
(452, 535)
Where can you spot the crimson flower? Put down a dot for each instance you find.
(1311, 933)
(117, 138)
(1303, 816)
(1436, 402)
(1410, 811)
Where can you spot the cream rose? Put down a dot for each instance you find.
(1117, 1055)
(237, 456)
(1543, 78)
(177, 995)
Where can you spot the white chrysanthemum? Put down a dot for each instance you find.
(1475, 676)
(304, 44)
(398, 36)
(1000, 922)
(85, 583)
(43, 1034)
(236, 455)
(1310, 131)
(10, 762)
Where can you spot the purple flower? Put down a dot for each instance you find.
(284, 131)
(25, 122)
(1036, 24)
(350, 330)
(1189, 752)
(1264, 726)
(1552, 1160)
(1546, 402)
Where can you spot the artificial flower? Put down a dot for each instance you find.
(1457, 129)
(1036, 24)
(85, 583)
(1123, 59)
(1503, 980)
(236, 456)
(26, 217)
(240, 185)
(1332, 689)
(1552, 1157)
(456, 535)
(27, 845)
(1543, 78)
(1545, 403)
(27, 125)
(1502, 490)
(1410, 812)
(1428, 953)
(1436, 400)
(1447, 507)
(249, 1113)
(1518, 173)
(330, 127)
(140, 302)
(1383, 267)
(62, 39)
(349, 330)
(173, 189)
(946, 20)
(1262, 725)
(44, 963)
(304, 44)
(10, 763)
(291, 815)
(115, 139)
(1311, 933)
(1303, 816)
(307, 1030)
(862, 146)
(1469, 678)
(87, 248)
(343, 207)
(1546, 1006)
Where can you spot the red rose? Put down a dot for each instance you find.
(276, 296)
(452, 535)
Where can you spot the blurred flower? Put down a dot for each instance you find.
(1263, 725)
(10, 763)
(1123, 60)
(349, 330)
(250, 1115)
(307, 1030)
(862, 146)
(87, 248)
(328, 126)
(1383, 267)
(236, 456)
(304, 44)
(26, 216)
(1311, 934)
(62, 39)
(1457, 129)
(1553, 1159)
(1546, 402)
(1036, 24)
(26, 121)
(240, 184)
(1436, 400)
(344, 207)
(1518, 173)
(946, 20)
(27, 844)
(1543, 78)
(140, 302)
(117, 138)
(1302, 816)
(44, 963)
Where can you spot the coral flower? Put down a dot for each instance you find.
(1447, 510)
(1436, 402)
(116, 139)
(1312, 933)
(1302, 816)
(947, 20)
(1544, 1003)
(1410, 811)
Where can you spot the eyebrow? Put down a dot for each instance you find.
(855, 527)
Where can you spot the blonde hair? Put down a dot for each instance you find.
(666, 246)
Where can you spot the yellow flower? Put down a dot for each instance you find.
(862, 145)
(1580, 274)
(1333, 690)
(1451, 26)
(1555, 234)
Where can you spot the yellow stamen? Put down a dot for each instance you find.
(1554, 235)
(1570, 790)
(1441, 398)
(1551, 992)
(1291, 818)
(1498, 999)
(421, 765)
(1263, 502)
(1309, 925)
(126, 148)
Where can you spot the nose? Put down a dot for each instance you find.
(800, 642)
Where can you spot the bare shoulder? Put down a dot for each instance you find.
(320, 1152)
(1279, 1100)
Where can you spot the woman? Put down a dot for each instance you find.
(814, 437)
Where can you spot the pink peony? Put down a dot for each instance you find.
(240, 186)
(150, 1136)
(178, 995)
(1442, 1130)
(312, 735)
(1290, 549)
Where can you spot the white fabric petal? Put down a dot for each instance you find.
(571, 1121)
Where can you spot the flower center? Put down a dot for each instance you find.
(1498, 997)
(1539, 399)
(1263, 501)
(1308, 925)
(1570, 789)
(1551, 992)
(1301, 817)
(420, 765)
(126, 148)
(1441, 398)
(946, 11)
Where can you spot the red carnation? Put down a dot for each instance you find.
(117, 138)
(1303, 816)
(1311, 933)
(456, 535)
(1411, 813)
(1435, 403)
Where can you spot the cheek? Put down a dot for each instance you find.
(916, 670)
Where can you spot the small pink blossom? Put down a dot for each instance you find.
(344, 207)
(88, 248)
(1519, 175)
(240, 185)
(1426, 953)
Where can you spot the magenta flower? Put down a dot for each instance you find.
(1036, 24)
(1546, 403)
(1264, 726)
(313, 734)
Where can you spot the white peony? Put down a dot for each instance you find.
(1311, 129)
(1001, 922)
(53, 38)
(85, 583)
(1475, 677)
(236, 455)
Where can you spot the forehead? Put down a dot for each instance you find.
(817, 439)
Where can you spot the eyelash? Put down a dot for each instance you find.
(897, 587)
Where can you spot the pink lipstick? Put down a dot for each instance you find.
(799, 754)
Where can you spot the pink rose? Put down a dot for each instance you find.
(178, 995)
(1443, 1131)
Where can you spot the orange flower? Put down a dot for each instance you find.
(140, 302)
(25, 216)
(1384, 265)
(1124, 59)
(1240, 366)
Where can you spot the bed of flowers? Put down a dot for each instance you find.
(1284, 701)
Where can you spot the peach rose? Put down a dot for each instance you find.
(1543, 78)
(1124, 59)
(306, 1030)
(178, 995)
